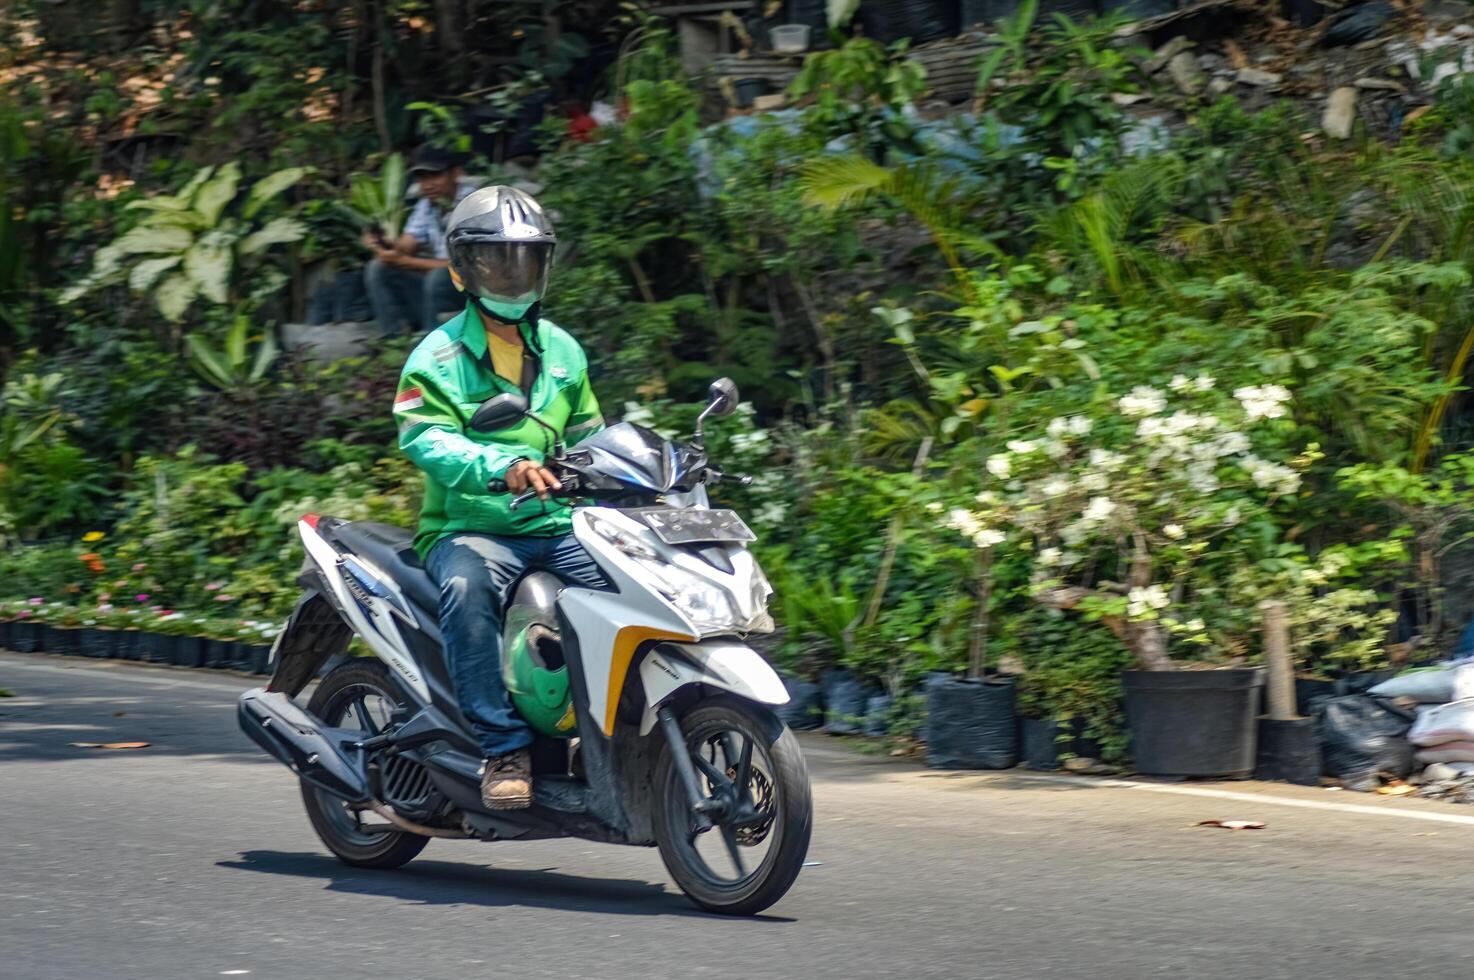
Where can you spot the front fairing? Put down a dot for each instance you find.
(631, 458)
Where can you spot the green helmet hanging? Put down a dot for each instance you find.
(537, 679)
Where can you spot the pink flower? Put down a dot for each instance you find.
(141, 597)
(140, 566)
(23, 614)
(105, 597)
(37, 601)
(222, 597)
(213, 586)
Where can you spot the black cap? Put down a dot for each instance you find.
(430, 159)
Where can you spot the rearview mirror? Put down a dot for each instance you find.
(499, 412)
(722, 400)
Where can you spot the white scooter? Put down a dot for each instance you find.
(654, 721)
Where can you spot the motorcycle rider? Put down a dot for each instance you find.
(474, 546)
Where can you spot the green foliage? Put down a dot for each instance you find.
(232, 367)
(378, 202)
(1059, 89)
(1071, 673)
(186, 246)
(858, 91)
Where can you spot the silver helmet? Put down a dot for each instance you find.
(501, 246)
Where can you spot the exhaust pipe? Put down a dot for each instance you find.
(297, 739)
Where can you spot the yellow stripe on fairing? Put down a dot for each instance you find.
(626, 642)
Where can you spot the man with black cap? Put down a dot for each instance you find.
(409, 279)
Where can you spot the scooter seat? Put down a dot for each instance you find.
(389, 549)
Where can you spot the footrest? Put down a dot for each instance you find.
(561, 793)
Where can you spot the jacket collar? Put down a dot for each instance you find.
(472, 333)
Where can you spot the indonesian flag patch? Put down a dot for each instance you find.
(408, 400)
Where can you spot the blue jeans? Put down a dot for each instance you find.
(401, 296)
(475, 573)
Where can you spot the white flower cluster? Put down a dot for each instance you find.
(1271, 476)
(1181, 382)
(1263, 401)
(971, 526)
(1143, 400)
(1145, 601)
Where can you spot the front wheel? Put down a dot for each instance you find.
(757, 803)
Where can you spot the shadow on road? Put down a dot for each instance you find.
(447, 883)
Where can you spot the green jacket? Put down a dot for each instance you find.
(446, 378)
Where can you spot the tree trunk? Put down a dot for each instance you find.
(450, 38)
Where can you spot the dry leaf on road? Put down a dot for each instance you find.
(1396, 788)
(111, 745)
(1232, 824)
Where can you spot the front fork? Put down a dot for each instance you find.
(676, 741)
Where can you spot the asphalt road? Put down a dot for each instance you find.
(193, 858)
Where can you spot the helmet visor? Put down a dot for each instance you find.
(507, 272)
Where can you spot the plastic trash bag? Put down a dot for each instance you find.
(1363, 737)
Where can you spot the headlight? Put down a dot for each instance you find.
(707, 606)
(762, 621)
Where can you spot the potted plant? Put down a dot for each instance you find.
(1117, 508)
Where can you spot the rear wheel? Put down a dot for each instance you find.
(359, 695)
(757, 801)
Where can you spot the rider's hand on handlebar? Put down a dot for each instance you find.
(525, 475)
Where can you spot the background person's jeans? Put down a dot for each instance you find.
(475, 573)
(408, 296)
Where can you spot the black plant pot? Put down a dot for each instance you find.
(970, 724)
(219, 653)
(160, 648)
(744, 90)
(845, 700)
(5, 635)
(1194, 722)
(805, 707)
(260, 662)
(64, 640)
(1039, 743)
(126, 644)
(190, 651)
(93, 643)
(1307, 689)
(26, 637)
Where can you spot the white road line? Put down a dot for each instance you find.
(1228, 794)
(136, 675)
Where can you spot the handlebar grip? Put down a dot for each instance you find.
(497, 486)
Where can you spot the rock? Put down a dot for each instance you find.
(1210, 62)
(1163, 55)
(1380, 84)
(1082, 764)
(1128, 98)
(1439, 772)
(1340, 114)
(1185, 73)
(1257, 77)
(1220, 86)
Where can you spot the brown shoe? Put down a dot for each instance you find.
(506, 781)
